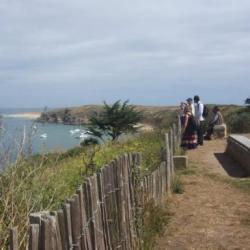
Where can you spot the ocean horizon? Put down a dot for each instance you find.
(37, 137)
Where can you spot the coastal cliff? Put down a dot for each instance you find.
(153, 115)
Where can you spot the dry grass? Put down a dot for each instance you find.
(43, 182)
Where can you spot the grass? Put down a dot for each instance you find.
(187, 171)
(177, 186)
(43, 182)
(150, 144)
(155, 219)
(241, 183)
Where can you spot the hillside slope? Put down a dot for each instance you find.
(152, 115)
(236, 117)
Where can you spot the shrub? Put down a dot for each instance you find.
(239, 122)
(73, 152)
(89, 141)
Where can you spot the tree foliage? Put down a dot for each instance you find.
(247, 101)
(114, 120)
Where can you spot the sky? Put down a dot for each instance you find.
(59, 53)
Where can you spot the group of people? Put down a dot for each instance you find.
(193, 116)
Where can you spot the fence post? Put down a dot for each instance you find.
(179, 131)
(34, 237)
(75, 221)
(66, 212)
(83, 218)
(13, 239)
(168, 172)
(54, 220)
(62, 227)
(174, 139)
(171, 150)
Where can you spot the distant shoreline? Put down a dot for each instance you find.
(25, 115)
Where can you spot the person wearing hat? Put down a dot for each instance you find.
(217, 119)
(191, 104)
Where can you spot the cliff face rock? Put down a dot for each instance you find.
(153, 115)
(70, 116)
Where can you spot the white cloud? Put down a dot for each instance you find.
(106, 46)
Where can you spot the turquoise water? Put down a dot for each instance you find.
(38, 136)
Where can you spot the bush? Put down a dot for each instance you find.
(89, 141)
(73, 152)
(239, 122)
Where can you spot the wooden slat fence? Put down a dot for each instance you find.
(102, 213)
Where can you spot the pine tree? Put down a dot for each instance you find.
(114, 120)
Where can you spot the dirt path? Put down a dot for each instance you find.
(212, 213)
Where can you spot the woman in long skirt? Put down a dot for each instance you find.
(189, 134)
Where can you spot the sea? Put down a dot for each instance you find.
(16, 130)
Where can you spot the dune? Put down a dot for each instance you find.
(26, 115)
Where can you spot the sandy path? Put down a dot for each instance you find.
(212, 213)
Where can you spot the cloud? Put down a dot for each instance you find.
(151, 47)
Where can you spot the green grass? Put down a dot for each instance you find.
(43, 182)
(149, 144)
(155, 220)
(243, 184)
(187, 171)
(177, 186)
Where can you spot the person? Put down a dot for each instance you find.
(189, 137)
(199, 107)
(217, 119)
(191, 104)
(182, 112)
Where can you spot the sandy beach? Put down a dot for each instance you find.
(26, 115)
(143, 127)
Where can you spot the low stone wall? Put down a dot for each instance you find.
(180, 161)
(238, 147)
(220, 131)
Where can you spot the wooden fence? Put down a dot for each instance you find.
(102, 213)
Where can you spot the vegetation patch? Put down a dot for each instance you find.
(155, 219)
(177, 186)
(187, 171)
(43, 182)
(243, 184)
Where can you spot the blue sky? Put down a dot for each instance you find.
(66, 53)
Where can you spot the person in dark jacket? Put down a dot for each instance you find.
(217, 119)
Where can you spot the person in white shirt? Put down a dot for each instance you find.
(199, 107)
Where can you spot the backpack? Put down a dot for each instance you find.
(205, 111)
